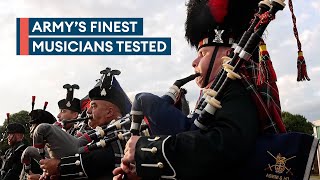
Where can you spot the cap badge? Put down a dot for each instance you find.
(103, 92)
(218, 36)
(68, 104)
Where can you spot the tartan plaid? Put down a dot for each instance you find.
(260, 80)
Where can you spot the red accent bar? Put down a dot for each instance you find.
(24, 36)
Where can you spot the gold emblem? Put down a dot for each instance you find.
(280, 165)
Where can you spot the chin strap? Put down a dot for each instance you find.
(213, 58)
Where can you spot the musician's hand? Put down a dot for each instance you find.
(129, 151)
(130, 175)
(50, 166)
(32, 176)
(43, 176)
(127, 163)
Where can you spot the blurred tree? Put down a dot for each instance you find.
(20, 117)
(296, 123)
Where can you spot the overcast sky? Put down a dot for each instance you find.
(44, 76)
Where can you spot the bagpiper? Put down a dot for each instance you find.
(11, 165)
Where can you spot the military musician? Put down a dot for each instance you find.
(70, 108)
(212, 26)
(107, 103)
(11, 165)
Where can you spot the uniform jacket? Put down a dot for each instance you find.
(213, 153)
(12, 166)
(96, 164)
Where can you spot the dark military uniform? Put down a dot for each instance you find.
(230, 140)
(11, 165)
(38, 116)
(196, 154)
(99, 163)
(233, 129)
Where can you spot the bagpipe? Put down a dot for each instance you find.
(29, 154)
(242, 53)
(60, 144)
(209, 102)
(78, 120)
(54, 140)
(278, 155)
(106, 140)
(80, 125)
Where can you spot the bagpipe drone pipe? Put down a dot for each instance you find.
(98, 138)
(231, 60)
(281, 156)
(106, 140)
(80, 125)
(210, 102)
(277, 155)
(164, 119)
(60, 144)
